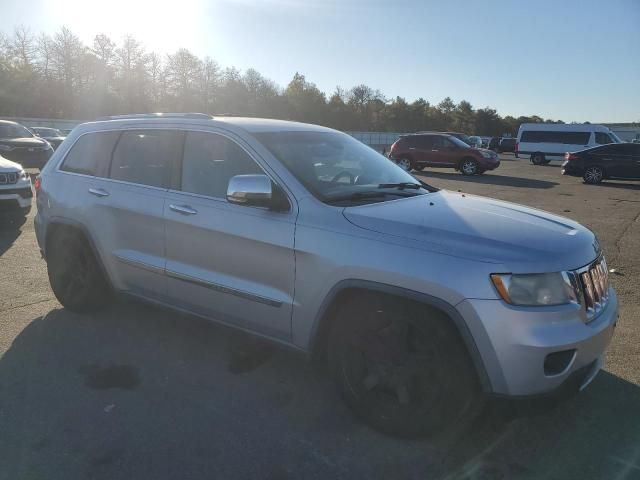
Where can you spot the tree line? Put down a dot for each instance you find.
(58, 76)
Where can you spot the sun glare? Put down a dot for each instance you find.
(162, 26)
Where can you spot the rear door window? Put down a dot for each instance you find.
(209, 162)
(568, 138)
(603, 138)
(91, 154)
(147, 157)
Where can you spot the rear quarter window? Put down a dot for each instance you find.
(91, 154)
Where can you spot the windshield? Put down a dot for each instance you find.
(14, 131)
(335, 166)
(459, 142)
(48, 132)
(616, 138)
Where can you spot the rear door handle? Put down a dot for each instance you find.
(412, 148)
(183, 209)
(98, 192)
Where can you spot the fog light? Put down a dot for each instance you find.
(557, 362)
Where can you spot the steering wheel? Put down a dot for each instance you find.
(344, 173)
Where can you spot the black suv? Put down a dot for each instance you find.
(19, 145)
(614, 160)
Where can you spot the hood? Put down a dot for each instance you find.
(9, 166)
(519, 238)
(24, 142)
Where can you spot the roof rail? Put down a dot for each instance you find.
(201, 116)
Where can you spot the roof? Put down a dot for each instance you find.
(8, 122)
(249, 124)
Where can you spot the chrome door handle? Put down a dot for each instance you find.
(98, 192)
(435, 150)
(183, 209)
(412, 148)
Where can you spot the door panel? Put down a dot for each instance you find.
(130, 225)
(230, 262)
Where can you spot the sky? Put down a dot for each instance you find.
(574, 60)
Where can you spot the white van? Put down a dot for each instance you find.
(546, 141)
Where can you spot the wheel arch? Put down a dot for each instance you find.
(58, 224)
(345, 290)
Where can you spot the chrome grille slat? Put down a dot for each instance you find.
(8, 178)
(594, 281)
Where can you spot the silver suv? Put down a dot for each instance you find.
(422, 301)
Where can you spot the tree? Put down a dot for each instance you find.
(183, 72)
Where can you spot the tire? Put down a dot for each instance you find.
(593, 175)
(75, 276)
(537, 159)
(401, 367)
(405, 163)
(468, 166)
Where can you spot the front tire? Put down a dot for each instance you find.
(401, 367)
(593, 175)
(469, 166)
(75, 276)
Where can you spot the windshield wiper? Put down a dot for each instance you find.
(401, 185)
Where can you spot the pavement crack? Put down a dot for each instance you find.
(27, 304)
(626, 230)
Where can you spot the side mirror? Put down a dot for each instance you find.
(250, 190)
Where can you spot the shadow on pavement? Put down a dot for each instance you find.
(626, 186)
(488, 178)
(10, 229)
(139, 392)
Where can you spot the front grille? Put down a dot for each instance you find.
(594, 280)
(8, 178)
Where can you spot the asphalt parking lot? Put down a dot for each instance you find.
(138, 392)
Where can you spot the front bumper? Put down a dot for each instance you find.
(514, 343)
(490, 165)
(19, 194)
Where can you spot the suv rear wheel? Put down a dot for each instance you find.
(405, 164)
(401, 367)
(74, 273)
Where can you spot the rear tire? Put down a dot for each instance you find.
(401, 367)
(405, 163)
(593, 175)
(75, 276)
(468, 166)
(537, 159)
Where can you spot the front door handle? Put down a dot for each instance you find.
(183, 209)
(98, 192)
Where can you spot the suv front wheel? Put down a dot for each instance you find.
(401, 367)
(75, 276)
(469, 166)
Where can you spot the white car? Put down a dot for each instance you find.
(15, 187)
(544, 142)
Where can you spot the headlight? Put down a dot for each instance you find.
(6, 148)
(486, 154)
(536, 289)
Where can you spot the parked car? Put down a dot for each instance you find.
(52, 135)
(422, 301)
(485, 142)
(613, 161)
(546, 141)
(15, 187)
(475, 141)
(507, 145)
(494, 142)
(18, 144)
(417, 151)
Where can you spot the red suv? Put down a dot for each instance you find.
(440, 150)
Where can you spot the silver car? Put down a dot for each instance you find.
(423, 302)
